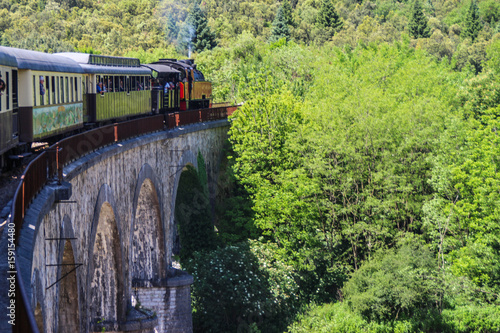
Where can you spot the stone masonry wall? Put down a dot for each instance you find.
(118, 184)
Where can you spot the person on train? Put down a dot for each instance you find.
(2, 85)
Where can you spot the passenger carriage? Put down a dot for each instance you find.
(51, 100)
(114, 87)
(8, 103)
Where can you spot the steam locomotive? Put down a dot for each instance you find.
(46, 96)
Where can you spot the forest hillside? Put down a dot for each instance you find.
(359, 191)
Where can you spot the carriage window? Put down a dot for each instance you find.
(71, 89)
(111, 86)
(53, 89)
(77, 98)
(34, 90)
(47, 87)
(61, 91)
(66, 90)
(58, 91)
(128, 85)
(42, 90)
(7, 88)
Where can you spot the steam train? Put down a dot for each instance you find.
(46, 96)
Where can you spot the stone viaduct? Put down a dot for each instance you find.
(101, 259)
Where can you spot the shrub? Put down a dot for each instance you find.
(471, 318)
(394, 283)
(240, 288)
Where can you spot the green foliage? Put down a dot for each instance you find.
(328, 17)
(465, 206)
(490, 11)
(118, 27)
(473, 319)
(365, 149)
(241, 286)
(477, 180)
(152, 55)
(338, 317)
(280, 26)
(418, 22)
(193, 214)
(472, 23)
(334, 317)
(106, 27)
(234, 215)
(287, 12)
(185, 38)
(204, 38)
(395, 283)
(480, 94)
(493, 52)
(470, 56)
(172, 29)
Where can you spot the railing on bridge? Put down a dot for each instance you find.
(49, 165)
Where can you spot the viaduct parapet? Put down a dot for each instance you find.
(101, 258)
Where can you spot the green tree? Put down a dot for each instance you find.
(280, 26)
(204, 37)
(418, 22)
(287, 12)
(472, 24)
(172, 30)
(185, 37)
(328, 17)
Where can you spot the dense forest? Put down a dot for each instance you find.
(360, 189)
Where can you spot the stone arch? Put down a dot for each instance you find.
(68, 299)
(148, 265)
(188, 158)
(106, 281)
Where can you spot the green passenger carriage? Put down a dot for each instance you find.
(115, 88)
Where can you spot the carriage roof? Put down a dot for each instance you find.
(98, 64)
(6, 59)
(41, 61)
